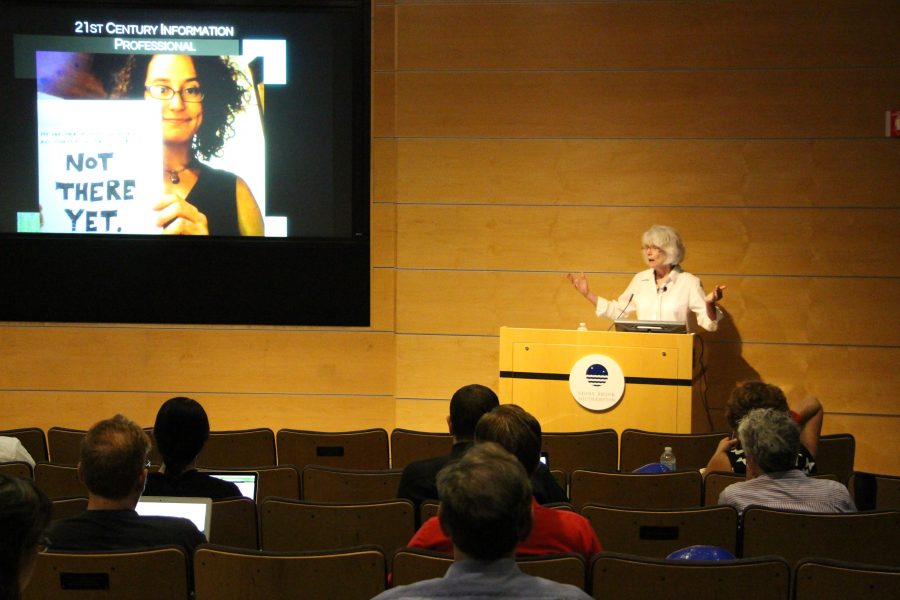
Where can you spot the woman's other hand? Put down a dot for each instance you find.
(177, 216)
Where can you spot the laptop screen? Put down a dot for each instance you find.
(197, 510)
(246, 481)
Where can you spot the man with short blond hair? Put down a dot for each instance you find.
(114, 468)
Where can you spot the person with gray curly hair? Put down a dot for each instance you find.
(664, 292)
(770, 439)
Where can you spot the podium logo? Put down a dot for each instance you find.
(597, 382)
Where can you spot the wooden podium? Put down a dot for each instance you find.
(658, 367)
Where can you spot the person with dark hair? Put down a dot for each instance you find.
(554, 531)
(199, 97)
(468, 404)
(770, 439)
(418, 481)
(24, 514)
(181, 431)
(486, 509)
(114, 466)
(749, 395)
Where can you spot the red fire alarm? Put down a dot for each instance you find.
(892, 123)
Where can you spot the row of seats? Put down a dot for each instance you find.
(284, 525)
(598, 450)
(359, 573)
(683, 489)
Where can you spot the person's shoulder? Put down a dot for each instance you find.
(547, 588)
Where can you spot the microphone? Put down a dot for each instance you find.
(627, 304)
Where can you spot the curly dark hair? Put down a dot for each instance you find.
(223, 98)
(753, 394)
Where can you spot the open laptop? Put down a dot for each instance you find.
(197, 510)
(246, 481)
(651, 326)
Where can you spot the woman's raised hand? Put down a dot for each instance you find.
(580, 282)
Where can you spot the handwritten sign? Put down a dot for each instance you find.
(100, 165)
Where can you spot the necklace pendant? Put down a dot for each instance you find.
(173, 177)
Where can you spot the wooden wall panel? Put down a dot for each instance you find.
(435, 366)
(759, 309)
(635, 35)
(423, 415)
(630, 172)
(384, 234)
(877, 441)
(81, 409)
(384, 171)
(383, 38)
(191, 360)
(384, 110)
(718, 240)
(717, 104)
(383, 299)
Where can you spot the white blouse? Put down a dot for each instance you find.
(679, 293)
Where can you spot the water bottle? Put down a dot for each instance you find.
(582, 327)
(667, 459)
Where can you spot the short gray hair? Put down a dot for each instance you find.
(666, 239)
(771, 438)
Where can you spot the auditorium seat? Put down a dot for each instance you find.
(716, 481)
(873, 491)
(63, 508)
(238, 449)
(869, 537)
(596, 450)
(118, 575)
(692, 450)
(408, 445)
(835, 454)
(626, 577)
(321, 484)
(32, 438)
(356, 573)
(64, 445)
(657, 533)
(287, 525)
(58, 481)
(410, 565)
(364, 449)
(630, 490)
(233, 522)
(823, 579)
(428, 509)
(17, 468)
(415, 564)
(564, 567)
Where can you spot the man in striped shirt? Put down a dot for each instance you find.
(770, 439)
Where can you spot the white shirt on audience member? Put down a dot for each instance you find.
(11, 449)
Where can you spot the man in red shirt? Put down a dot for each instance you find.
(553, 530)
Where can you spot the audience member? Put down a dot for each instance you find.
(114, 468)
(181, 431)
(11, 449)
(554, 530)
(468, 404)
(486, 508)
(770, 439)
(808, 415)
(24, 513)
